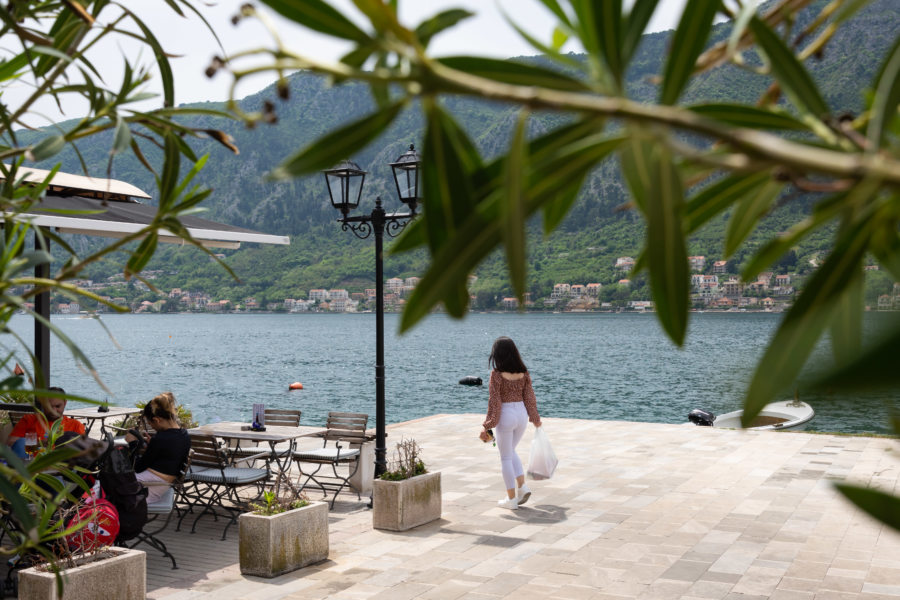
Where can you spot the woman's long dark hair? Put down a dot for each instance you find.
(505, 357)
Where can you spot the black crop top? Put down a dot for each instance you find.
(166, 452)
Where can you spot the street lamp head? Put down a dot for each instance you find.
(406, 177)
(345, 183)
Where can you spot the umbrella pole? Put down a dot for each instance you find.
(42, 308)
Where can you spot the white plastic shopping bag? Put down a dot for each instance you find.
(542, 462)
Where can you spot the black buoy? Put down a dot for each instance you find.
(470, 380)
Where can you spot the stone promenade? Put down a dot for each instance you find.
(636, 510)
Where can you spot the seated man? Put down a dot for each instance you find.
(51, 410)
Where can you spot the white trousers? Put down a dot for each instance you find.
(154, 492)
(510, 429)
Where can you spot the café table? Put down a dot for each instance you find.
(92, 414)
(237, 432)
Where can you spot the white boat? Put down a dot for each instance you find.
(787, 414)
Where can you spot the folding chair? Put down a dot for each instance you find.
(349, 428)
(164, 507)
(212, 482)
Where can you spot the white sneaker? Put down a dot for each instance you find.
(523, 494)
(510, 503)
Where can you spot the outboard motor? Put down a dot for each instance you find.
(704, 418)
(470, 380)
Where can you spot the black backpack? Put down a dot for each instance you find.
(121, 487)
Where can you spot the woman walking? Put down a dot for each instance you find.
(511, 404)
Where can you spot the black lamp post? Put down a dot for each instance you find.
(345, 183)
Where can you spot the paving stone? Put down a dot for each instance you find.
(636, 510)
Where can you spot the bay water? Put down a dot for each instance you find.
(584, 365)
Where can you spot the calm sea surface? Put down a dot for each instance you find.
(594, 366)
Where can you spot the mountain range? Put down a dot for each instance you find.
(582, 250)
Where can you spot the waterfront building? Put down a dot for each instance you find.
(593, 289)
(318, 295)
(720, 266)
(697, 263)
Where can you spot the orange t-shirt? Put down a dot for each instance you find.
(31, 423)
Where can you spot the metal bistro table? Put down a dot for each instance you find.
(233, 431)
(92, 414)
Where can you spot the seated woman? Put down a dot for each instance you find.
(166, 451)
(51, 410)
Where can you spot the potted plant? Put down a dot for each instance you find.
(407, 495)
(285, 533)
(73, 556)
(108, 572)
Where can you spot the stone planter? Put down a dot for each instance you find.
(402, 505)
(274, 545)
(120, 574)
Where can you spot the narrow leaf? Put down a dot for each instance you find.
(141, 255)
(47, 147)
(637, 21)
(718, 196)
(880, 505)
(686, 46)
(790, 74)
(846, 326)
(807, 320)
(666, 248)
(444, 20)
(513, 210)
(515, 73)
(750, 116)
(319, 16)
(749, 210)
(330, 149)
(636, 160)
(887, 97)
(122, 137)
(874, 369)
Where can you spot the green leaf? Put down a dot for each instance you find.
(807, 319)
(448, 161)
(887, 97)
(319, 16)
(428, 28)
(10, 68)
(749, 116)
(600, 28)
(880, 505)
(558, 39)
(47, 147)
(666, 248)
(790, 74)
(122, 137)
(747, 214)
(513, 210)
(636, 159)
(551, 51)
(846, 326)
(686, 46)
(874, 369)
(142, 255)
(775, 248)
(718, 196)
(636, 23)
(330, 149)
(515, 73)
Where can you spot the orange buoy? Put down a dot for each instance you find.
(296, 386)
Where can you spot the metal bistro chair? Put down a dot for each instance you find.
(164, 507)
(275, 417)
(349, 428)
(212, 482)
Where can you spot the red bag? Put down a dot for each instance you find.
(102, 526)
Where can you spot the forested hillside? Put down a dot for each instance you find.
(599, 228)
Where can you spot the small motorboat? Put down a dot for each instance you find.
(788, 414)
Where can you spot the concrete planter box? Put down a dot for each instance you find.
(277, 544)
(122, 575)
(402, 505)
